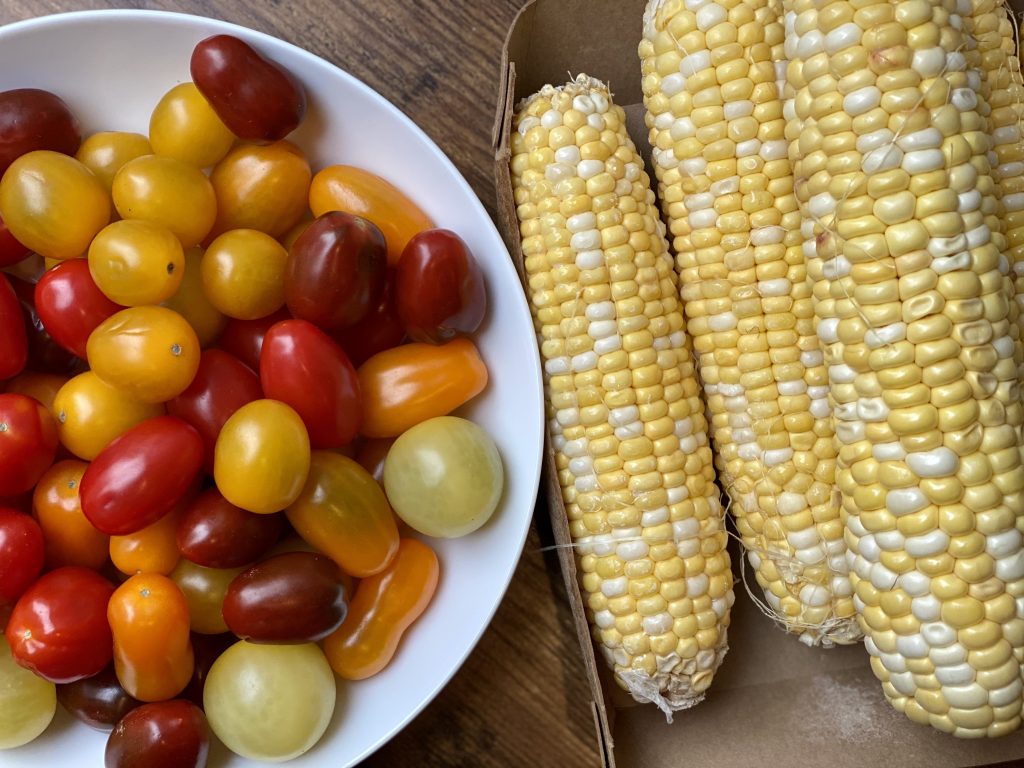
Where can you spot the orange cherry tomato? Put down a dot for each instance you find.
(405, 385)
(343, 512)
(149, 619)
(384, 607)
(153, 549)
(42, 386)
(69, 538)
(353, 190)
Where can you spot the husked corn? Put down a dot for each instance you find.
(625, 414)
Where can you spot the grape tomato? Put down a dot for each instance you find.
(152, 549)
(99, 700)
(70, 539)
(31, 119)
(44, 353)
(184, 126)
(215, 533)
(28, 443)
(136, 262)
(204, 590)
(165, 734)
(71, 305)
(243, 272)
(105, 152)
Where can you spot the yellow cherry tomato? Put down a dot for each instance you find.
(184, 126)
(53, 204)
(243, 274)
(191, 303)
(136, 262)
(105, 152)
(151, 353)
(261, 459)
(262, 187)
(168, 192)
(90, 413)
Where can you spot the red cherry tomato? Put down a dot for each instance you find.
(44, 354)
(13, 338)
(70, 305)
(439, 288)
(28, 443)
(215, 533)
(11, 251)
(59, 629)
(21, 553)
(380, 328)
(33, 119)
(164, 734)
(221, 386)
(244, 338)
(140, 476)
(303, 367)
(257, 100)
(336, 271)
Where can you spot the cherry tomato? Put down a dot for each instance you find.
(191, 303)
(141, 475)
(221, 386)
(41, 386)
(21, 553)
(383, 608)
(251, 685)
(261, 187)
(27, 702)
(165, 734)
(168, 192)
(215, 533)
(71, 305)
(243, 273)
(135, 262)
(70, 539)
(13, 338)
(403, 386)
(353, 190)
(261, 459)
(184, 126)
(379, 329)
(153, 549)
(98, 701)
(257, 99)
(302, 366)
(439, 288)
(11, 251)
(204, 590)
(44, 354)
(91, 413)
(32, 119)
(59, 629)
(105, 152)
(148, 618)
(336, 271)
(244, 338)
(53, 204)
(28, 443)
(294, 597)
(151, 353)
(343, 512)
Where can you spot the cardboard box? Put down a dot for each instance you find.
(774, 701)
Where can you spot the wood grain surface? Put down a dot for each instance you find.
(521, 698)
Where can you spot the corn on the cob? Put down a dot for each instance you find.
(625, 414)
(719, 149)
(913, 300)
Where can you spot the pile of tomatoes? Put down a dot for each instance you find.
(223, 376)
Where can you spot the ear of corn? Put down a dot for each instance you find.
(913, 298)
(625, 414)
(718, 131)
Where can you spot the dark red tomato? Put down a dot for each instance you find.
(13, 336)
(205, 649)
(439, 288)
(28, 443)
(70, 305)
(244, 338)
(44, 354)
(21, 553)
(255, 98)
(59, 628)
(141, 475)
(303, 367)
(221, 386)
(295, 597)
(336, 271)
(380, 328)
(33, 119)
(165, 734)
(11, 251)
(215, 533)
(98, 701)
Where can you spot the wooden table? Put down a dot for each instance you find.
(521, 698)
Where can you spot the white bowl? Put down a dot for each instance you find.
(111, 67)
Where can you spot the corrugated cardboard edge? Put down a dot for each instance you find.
(517, 41)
